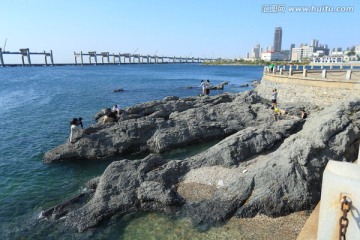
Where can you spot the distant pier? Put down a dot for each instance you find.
(26, 54)
(125, 58)
(92, 57)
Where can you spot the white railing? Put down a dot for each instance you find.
(304, 72)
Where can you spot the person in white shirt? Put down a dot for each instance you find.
(202, 85)
(274, 98)
(74, 130)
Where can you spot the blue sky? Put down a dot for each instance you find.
(196, 28)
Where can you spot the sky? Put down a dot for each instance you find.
(186, 28)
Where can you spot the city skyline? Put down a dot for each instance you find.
(315, 51)
(172, 28)
(258, 50)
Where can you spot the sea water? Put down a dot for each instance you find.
(36, 106)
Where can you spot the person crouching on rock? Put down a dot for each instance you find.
(74, 130)
(110, 117)
(116, 109)
(278, 113)
(303, 113)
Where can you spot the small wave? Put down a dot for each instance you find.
(20, 99)
(11, 100)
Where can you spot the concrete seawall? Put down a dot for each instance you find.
(298, 89)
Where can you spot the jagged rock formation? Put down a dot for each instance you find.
(260, 166)
(159, 126)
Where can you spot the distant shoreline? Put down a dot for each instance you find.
(285, 63)
(86, 64)
(235, 64)
(207, 63)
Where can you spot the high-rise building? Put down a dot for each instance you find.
(291, 48)
(314, 43)
(277, 39)
(255, 52)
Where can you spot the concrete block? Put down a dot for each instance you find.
(339, 179)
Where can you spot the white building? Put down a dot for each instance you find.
(328, 59)
(349, 58)
(308, 52)
(298, 54)
(337, 54)
(272, 56)
(357, 50)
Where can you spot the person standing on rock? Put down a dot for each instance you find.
(207, 87)
(74, 130)
(271, 67)
(202, 85)
(274, 99)
(80, 122)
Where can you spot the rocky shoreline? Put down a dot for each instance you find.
(260, 166)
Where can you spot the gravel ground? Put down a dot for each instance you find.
(200, 184)
(159, 227)
(262, 227)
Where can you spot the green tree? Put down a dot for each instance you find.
(351, 53)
